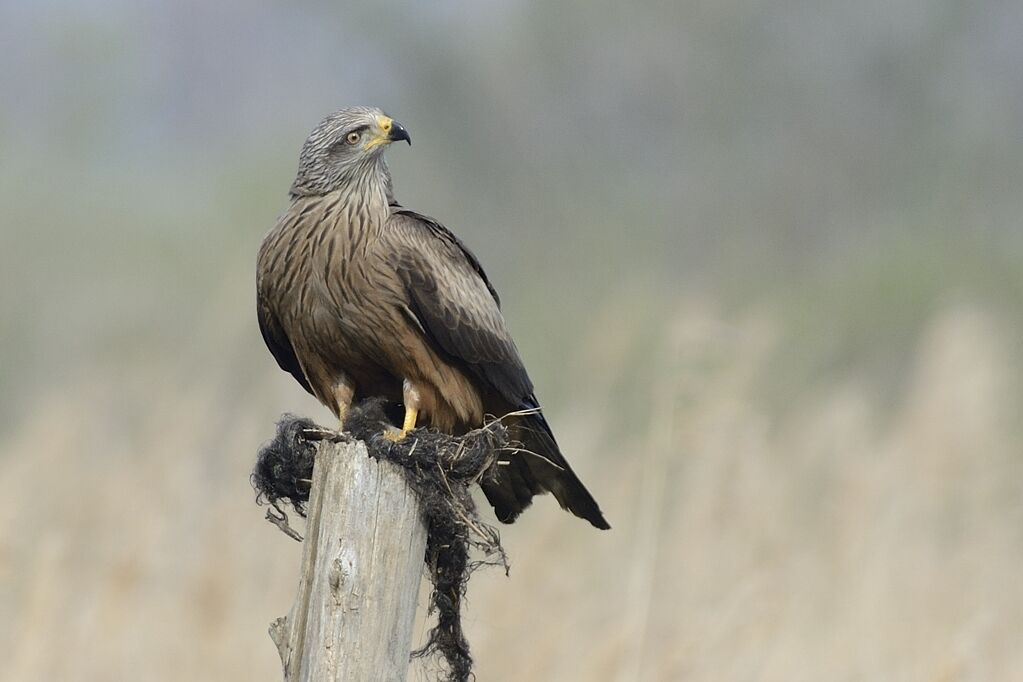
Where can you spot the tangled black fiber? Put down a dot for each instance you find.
(284, 466)
(440, 468)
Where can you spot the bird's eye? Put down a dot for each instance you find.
(352, 138)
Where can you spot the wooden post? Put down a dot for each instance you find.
(362, 561)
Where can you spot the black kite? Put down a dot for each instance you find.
(360, 297)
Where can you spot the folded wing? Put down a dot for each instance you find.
(459, 312)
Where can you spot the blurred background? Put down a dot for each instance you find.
(763, 260)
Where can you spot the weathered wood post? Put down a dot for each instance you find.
(362, 562)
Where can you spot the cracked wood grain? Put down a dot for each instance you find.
(362, 562)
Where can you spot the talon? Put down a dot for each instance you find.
(411, 396)
(395, 435)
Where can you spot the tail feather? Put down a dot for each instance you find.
(536, 468)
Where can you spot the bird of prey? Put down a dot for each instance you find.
(360, 297)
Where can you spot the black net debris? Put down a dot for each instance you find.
(440, 468)
(284, 466)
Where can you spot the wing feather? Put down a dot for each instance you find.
(450, 295)
(274, 336)
(457, 307)
(279, 345)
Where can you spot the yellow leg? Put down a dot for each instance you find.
(410, 420)
(410, 423)
(411, 397)
(344, 391)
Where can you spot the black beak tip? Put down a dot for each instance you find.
(398, 132)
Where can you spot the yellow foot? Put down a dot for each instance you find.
(395, 435)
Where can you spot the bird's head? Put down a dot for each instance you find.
(345, 148)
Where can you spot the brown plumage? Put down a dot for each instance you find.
(360, 297)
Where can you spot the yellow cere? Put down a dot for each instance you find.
(384, 129)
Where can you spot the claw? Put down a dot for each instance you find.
(411, 412)
(395, 435)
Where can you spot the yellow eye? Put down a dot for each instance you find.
(352, 138)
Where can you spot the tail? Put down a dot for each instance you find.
(535, 468)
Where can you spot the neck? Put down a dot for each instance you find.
(369, 182)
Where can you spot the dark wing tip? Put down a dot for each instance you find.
(510, 500)
(579, 501)
(536, 469)
(552, 470)
(592, 514)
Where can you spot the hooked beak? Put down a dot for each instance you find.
(398, 132)
(388, 130)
